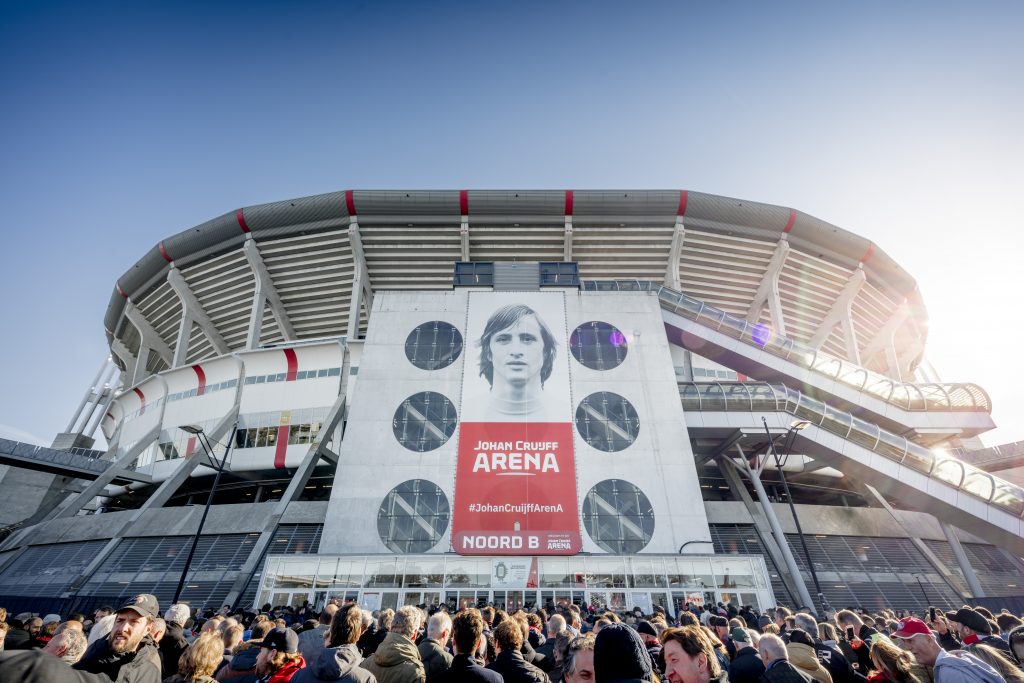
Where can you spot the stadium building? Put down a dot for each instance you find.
(617, 398)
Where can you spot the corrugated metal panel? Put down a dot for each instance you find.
(48, 570)
(511, 277)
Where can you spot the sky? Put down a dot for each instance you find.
(123, 124)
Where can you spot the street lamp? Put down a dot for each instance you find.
(204, 441)
(790, 436)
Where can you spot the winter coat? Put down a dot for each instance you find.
(805, 658)
(536, 658)
(367, 643)
(782, 671)
(835, 662)
(960, 666)
(287, 672)
(36, 666)
(171, 646)
(514, 669)
(396, 661)
(242, 663)
(311, 643)
(336, 664)
(465, 669)
(141, 666)
(435, 659)
(746, 667)
(995, 642)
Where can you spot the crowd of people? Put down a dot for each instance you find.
(344, 643)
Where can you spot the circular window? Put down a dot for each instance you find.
(413, 517)
(424, 421)
(598, 345)
(433, 345)
(607, 421)
(618, 517)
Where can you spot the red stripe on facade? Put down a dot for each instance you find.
(190, 447)
(119, 290)
(464, 202)
(163, 252)
(240, 215)
(201, 376)
(293, 364)
(350, 202)
(142, 397)
(281, 448)
(568, 202)
(868, 254)
(791, 221)
(741, 377)
(684, 197)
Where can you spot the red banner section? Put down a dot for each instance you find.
(515, 490)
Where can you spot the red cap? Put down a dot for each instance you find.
(910, 627)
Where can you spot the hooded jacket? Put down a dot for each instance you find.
(396, 661)
(805, 658)
(960, 666)
(171, 646)
(336, 664)
(435, 659)
(141, 666)
(242, 664)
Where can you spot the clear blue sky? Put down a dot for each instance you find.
(123, 124)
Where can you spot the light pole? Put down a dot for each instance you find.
(790, 435)
(204, 441)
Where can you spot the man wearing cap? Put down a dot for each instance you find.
(956, 666)
(746, 666)
(649, 635)
(279, 657)
(720, 626)
(973, 628)
(128, 654)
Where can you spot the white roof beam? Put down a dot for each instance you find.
(193, 310)
(768, 290)
(886, 334)
(567, 240)
(675, 252)
(464, 237)
(842, 314)
(265, 293)
(362, 291)
(150, 341)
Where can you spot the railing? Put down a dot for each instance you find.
(762, 396)
(29, 451)
(993, 455)
(915, 397)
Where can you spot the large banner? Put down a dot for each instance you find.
(515, 481)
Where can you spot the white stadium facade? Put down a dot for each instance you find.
(617, 398)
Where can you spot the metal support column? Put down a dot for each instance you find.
(961, 559)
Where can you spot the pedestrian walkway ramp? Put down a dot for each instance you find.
(930, 411)
(78, 463)
(905, 472)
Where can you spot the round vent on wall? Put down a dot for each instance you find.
(413, 516)
(433, 345)
(425, 421)
(598, 345)
(607, 421)
(618, 517)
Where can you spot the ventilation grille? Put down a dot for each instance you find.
(47, 571)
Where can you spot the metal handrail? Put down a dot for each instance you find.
(935, 464)
(908, 396)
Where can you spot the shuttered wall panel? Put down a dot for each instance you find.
(742, 539)
(996, 573)
(289, 539)
(48, 570)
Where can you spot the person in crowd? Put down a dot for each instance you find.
(690, 657)
(68, 645)
(397, 660)
(860, 635)
(537, 637)
(339, 659)
(529, 654)
(311, 640)
(198, 662)
(173, 644)
(384, 619)
(231, 638)
(17, 634)
(999, 661)
(578, 666)
(101, 629)
(620, 655)
(555, 625)
(746, 666)
(829, 656)
(1016, 642)
(369, 636)
(128, 654)
(720, 627)
(467, 639)
(803, 656)
(436, 659)
(508, 661)
(780, 615)
(3, 634)
(243, 661)
(279, 658)
(777, 668)
(649, 635)
(842, 668)
(972, 627)
(158, 631)
(955, 666)
(1007, 622)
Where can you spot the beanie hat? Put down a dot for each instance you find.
(620, 654)
(645, 628)
(763, 620)
(800, 636)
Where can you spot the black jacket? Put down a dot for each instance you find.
(514, 669)
(465, 669)
(995, 642)
(36, 666)
(784, 672)
(335, 664)
(367, 642)
(536, 658)
(835, 662)
(171, 646)
(141, 666)
(746, 666)
(241, 665)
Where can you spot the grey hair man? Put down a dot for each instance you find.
(956, 666)
(69, 645)
(312, 641)
(397, 660)
(776, 661)
(555, 625)
(436, 660)
(579, 660)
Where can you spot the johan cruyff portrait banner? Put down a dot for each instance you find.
(515, 480)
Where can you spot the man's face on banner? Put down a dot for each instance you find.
(517, 352)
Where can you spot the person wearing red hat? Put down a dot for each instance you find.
(956, 666)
